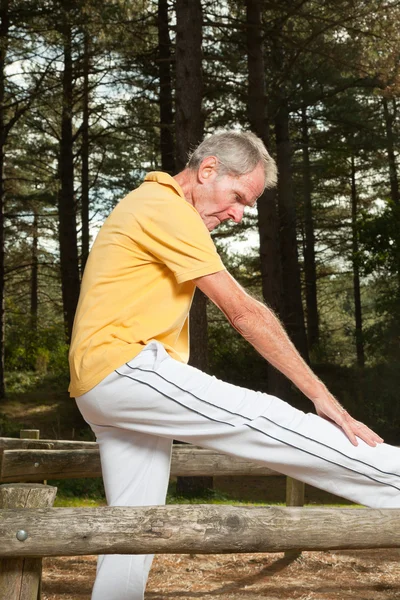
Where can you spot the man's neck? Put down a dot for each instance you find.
(186, 180)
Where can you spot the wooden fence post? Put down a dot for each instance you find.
(29, 434)
(294, 497)
(20, 577)
(33, 434)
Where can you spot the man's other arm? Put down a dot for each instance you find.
(260, 327)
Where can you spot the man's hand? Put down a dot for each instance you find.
(329, 408)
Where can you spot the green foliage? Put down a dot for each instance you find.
(381, 384)
(19, 382)
(80, 488)
(380, 240)
(41, 350)
(8, 427)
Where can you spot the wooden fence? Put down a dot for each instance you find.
(30, 460)
(65, 460)
(25, 518)
(28, 533)
(30, 528)
(200, 529)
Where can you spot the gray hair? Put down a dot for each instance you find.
(237, 152)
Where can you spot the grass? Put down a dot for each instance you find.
(75, 502)
(215, 498)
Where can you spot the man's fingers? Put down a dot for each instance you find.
(354, 428)
(350, 434)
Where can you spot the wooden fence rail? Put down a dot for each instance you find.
(23, 465)
(201, 529)
(35, 443)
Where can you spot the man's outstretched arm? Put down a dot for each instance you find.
(261, 328)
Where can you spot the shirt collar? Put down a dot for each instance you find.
(165, 179)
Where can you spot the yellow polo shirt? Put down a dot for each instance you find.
(137, 284)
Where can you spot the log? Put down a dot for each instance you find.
(200, 529)
(294, 492)
(294, 497)
(36, 465)
(20, 444)
(30, 434)
(20, 577)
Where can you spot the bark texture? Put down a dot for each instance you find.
(389, 116)
(310, 271)
(34, 270)
(356, 270)
(268, 224)
(27, 464)
(4, 33)
(85, 153)
(167, 143)
(20, 577)
(293, 314)
(200, 529)
(66, 199)
(189, 127)
(394, 182)
(189, 120)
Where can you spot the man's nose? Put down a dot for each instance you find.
(236, 213)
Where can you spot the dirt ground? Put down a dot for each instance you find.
(340, 575)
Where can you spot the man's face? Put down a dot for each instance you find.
(219, 199)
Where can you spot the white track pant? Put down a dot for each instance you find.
(140, 408)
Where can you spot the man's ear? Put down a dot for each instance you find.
(208, 169)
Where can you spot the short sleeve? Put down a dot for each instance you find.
(174, 233)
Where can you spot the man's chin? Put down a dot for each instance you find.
(213, 225)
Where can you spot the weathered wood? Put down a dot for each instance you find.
(26, 495)
(294, 497)
(198, 462)
(36, 465)
(294, 492)
(20, 577)
(30, 434)
(25, 444)
(202, 529)
(1, 463)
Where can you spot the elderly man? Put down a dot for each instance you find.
(130, 346)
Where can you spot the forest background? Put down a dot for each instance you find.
(95, 94)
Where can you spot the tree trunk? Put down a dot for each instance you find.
(189, 122)
(310, 272)
(356, 270)
(199, 332)
(167, 145)
(34, 271)
(189, 126)
(268, 224)
(394, 182)
(4, 30)
(85, 154)
(66, 201)
(293, 314)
